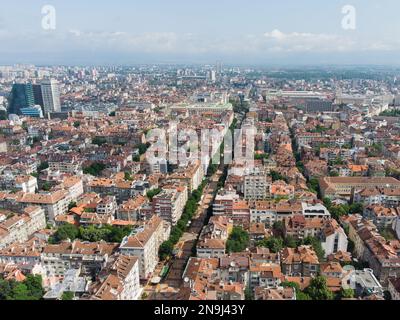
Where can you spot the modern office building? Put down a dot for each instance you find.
(34, 111)
(21, 97)
(37, 94)
(51, 96)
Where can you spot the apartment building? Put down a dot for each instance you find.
(65, 164)
(107, 206)
(314, 210)
(202, 282)
(19, 227)
(193, 109)
(333, 238)
(119, 281)
(25, 255)
(301, 261)
(170, 203)
(345, 187)
(381, 216)
(265, 275)
(224, 201)
(383, 258)
(72, 282)
(269, 212)
(91, 258)
(385, 196)
(213, 237)
(280, 293)
(361, 230)
(53, 203)
(74, 185)
(363, 282)
(123, 190)
(256, 186)
(211, 248)
(234, 268)
(144, 243)
(300, 227)
(192, 176)
(132, 209)
(22, 183)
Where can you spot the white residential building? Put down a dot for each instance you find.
(89, 257)
(121, 281)
(19, 227)
(256, 186)
(144, 243)
(333, 238)
(170, 203)
(51, 96)
(53, 204)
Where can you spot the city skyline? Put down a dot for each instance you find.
(200, 159)
(185, 32)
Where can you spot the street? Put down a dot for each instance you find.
(186, 244)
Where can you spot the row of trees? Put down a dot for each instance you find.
(239, 105)
(167, 248)
(106, 233)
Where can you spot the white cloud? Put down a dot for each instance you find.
(302, 42)
(273, 42)
(320, 42)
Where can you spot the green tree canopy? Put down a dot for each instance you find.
(67, 295)
(30, 289)
(66, 231)
(152, 193)
(275, 244)
(347, 293)
(166, 250)
(318, 289)
(238, 240)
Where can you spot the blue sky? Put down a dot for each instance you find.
(245, 32)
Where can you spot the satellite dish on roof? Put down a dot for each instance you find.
(186, 279)
(233, 264)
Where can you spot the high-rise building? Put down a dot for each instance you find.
(37, 94)
(21, 97)
(211, 75)
(51, 96)
(219, 67)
